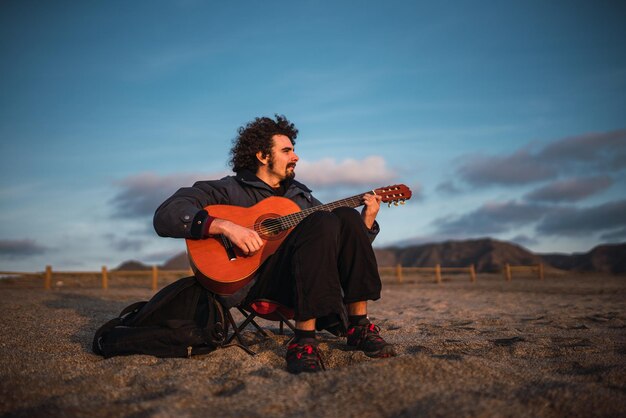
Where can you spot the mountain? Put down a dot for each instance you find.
(132, 265)
(487, 255)
(178, 262)
(490, 255)
(386, 257)
(607, 258)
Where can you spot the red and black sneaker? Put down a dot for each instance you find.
(304, 356)
(365, 337)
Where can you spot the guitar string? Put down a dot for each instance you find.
(293, 219)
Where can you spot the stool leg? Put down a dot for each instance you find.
(250, 320)
(286, 321)
(235, 333)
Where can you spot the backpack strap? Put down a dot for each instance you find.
(216, 308)
(127, 313)
(135, 307)
(216, 330)
(104, 329)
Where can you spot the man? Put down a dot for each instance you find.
(325, 265)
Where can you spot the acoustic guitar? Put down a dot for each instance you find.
(222, 268)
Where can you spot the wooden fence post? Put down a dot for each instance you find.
(399, 272)
(472, 273)
(507, 271)
(155, 277)
(48, 278)
(105, 278)
(438, 273)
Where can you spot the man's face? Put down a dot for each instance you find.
(283, 159)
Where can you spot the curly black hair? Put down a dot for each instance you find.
(257, 136)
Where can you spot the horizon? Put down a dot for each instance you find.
(394, 247)
(506, 120)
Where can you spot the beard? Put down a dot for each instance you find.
(289, 174)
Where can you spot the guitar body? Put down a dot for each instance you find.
(209, 259)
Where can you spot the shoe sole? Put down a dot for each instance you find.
(298, 370)
(385, 352)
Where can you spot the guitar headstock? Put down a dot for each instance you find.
(398, 193)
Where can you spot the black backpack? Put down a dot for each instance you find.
(180, 320)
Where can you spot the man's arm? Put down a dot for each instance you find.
(183, 216)
(370, 210)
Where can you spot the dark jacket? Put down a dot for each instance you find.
(183, 216)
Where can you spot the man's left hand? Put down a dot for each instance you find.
(371, 208)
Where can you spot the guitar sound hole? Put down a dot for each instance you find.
(270, 227)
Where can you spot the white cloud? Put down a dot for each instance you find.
(328, 172)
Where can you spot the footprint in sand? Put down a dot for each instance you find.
(230, 388)
(507, 342)
(453, 357)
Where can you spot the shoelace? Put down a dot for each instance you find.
(370, 332)
(300, 349)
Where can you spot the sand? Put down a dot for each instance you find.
(494, 348)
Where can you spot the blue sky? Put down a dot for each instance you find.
(507, 119)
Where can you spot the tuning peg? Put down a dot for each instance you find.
(389, 205)
(402, 202)
(395, 203)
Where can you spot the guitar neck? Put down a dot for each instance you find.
(396, 194)
(289, 221)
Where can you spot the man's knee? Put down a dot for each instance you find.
(348, 216)
(324, 223)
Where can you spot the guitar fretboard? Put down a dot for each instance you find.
(282, 223)
(289, 221)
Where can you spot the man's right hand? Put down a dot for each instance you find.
(246, 239)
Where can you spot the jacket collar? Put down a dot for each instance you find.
(250, 179)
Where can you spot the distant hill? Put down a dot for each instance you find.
(607, 258)
(178, 262)
(487, 255)
(490, 255)
(386, 257)
(132, 265)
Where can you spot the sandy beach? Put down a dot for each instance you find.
(493, 348)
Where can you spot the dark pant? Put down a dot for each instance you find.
(325, 262)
